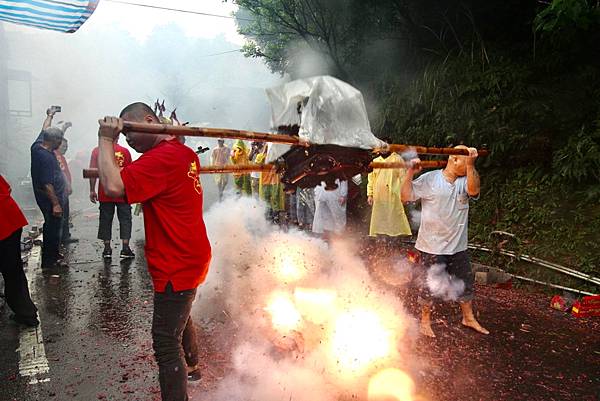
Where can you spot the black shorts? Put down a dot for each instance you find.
(449, 277)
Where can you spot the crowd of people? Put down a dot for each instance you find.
(165, 180)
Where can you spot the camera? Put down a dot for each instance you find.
(55, 109)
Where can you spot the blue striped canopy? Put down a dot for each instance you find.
(56, 15)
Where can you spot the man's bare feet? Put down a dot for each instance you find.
(474, 324)
(469, 318)
(425, 329)
(425, 326)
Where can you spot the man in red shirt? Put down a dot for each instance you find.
(165, 180)
(11, 265)
(109, 204)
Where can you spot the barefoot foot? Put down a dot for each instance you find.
(425, 329)
(474, 324)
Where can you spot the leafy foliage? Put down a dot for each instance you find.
(363, 39)
(568, 15)
(579, 160)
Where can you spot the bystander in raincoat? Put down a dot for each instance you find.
(330, 208)
(220, 157)
(239, 155)
(270, 188)
(383, 192)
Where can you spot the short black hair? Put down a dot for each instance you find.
(138, 111)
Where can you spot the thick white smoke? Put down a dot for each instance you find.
(308, 320)
(443, 285)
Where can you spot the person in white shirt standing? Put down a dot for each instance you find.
(330, 209)
(442, 239)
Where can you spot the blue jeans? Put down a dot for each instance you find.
(170, 320)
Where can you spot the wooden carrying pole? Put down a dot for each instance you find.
(249, 168)
(425, 150)
(178, 130)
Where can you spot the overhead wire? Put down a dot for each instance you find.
(179, 10)
(188, 12)
(218, 54)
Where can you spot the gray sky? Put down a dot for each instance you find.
(124, 54)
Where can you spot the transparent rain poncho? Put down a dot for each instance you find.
(328, 112)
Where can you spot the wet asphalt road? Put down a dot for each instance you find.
(95, 322)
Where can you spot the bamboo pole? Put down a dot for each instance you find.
(561, 287)
(543, 263)
(249, 168)
(424, 164)
(398, 148)
(178, 130)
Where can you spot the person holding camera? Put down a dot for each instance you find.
(49, 188)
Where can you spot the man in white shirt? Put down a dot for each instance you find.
(442, 238)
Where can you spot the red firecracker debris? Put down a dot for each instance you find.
(559, 303)
(588, 306)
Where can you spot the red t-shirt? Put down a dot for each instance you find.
(165, 180)
(123, 159)
(64, 166)
(12, 217)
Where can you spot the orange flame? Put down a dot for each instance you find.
(315, 305)
(391, 385)
(360, 339)
(289, 263)
(284, 315)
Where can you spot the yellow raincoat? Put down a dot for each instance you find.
(270, 188)
(384, 185)
(239, 155)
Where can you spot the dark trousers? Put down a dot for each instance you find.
(66, 231)
(170, 321)
(457, 266)
(52, 234)
(190, 344)
(107, 212)
(15, 282)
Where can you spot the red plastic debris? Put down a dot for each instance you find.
(588, 306)
(559, 303)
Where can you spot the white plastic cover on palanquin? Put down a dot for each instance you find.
(332, 112)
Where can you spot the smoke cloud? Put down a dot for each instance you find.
(102, 68)
(307, 61)
(305, 321)
(444, 285)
